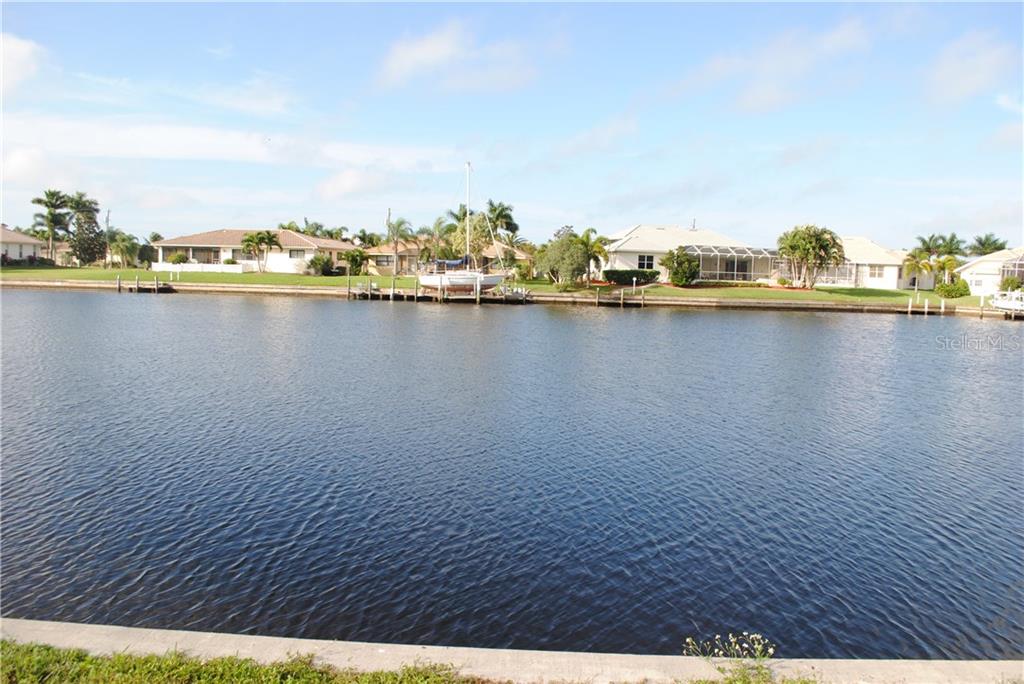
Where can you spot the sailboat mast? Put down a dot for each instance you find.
(468, 169)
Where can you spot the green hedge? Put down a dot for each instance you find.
(957, 288)
(625, 276)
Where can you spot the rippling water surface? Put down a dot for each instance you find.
(526, 477)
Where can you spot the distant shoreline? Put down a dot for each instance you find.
(608, 300)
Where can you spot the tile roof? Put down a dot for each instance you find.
(14, 237)
(663, 238)
(290, 239)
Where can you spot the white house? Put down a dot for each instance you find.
(15, 245)
(208, 252)
(983, 274)
(721, 257)
(868, 264)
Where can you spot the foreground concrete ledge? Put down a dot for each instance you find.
(499, 664)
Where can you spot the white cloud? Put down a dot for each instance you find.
(350, 182)
(602, 137)
(972, 64)
(1010, 104)
(257, 95)
(774, 75)
(221, 51)
(455, 60)
(390, 157)
(20, 59)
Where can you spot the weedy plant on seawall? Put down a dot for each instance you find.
(740, 658)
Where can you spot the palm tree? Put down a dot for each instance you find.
(594, 248)
(951, 245)
(355, 258)
(986, 244)
(437, 238)
(154, 237)
(930, 245)
(314, 228)
(367, 239)
(917, 263)
(500, 215)
(944, 265)
(458, 216)
(126, 247)
(259, 244)
(399, 230)
(54, 219)
(291, 225)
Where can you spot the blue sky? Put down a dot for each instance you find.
(887, 121)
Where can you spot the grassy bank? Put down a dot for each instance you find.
(36, 663)
(129, 274)
(32, 663)
(849, 295)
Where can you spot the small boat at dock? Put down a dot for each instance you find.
(1009, 301)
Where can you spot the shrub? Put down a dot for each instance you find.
(230, 262)
(785, 282)
(179, 258)
(957, 288)
(321, 264)
(1009, 284)
(624, 276)
(683, 268)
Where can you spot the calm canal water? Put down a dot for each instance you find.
(526, 477)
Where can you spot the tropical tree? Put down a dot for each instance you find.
(314, 228)
(291, 225)
(356, 259)
(917, 263)
(683, 268)
(260, 243)
(986, 244)
(335, 233)
(593, 248)
(147, 252)
(931, 245)
(367, 239)
(437, 240)
(458, 216)
(951, 245)
(87, 243)
(944, 265)
(563, 259)
(399, 231)
(126, 248)
(810, 249)
(500, 215)
(55, 217)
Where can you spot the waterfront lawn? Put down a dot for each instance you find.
(850, 295)
(36, 663)
(129, 275)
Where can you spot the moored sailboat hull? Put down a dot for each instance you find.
(460, 281)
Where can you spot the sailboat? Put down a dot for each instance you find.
(465, 279)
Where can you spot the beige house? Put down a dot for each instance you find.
(984, 274)
(492, 264)
(209, 251)
(382, 258)
(17, 246)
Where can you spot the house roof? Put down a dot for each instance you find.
(490, 252)
(663, 238)
(14, 237)
(999, 257)
(861, 250)
(290, 239)
(405, 248)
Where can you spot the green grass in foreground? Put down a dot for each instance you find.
(853, 295)
(129, 275)
(36, 663)
(31, 663)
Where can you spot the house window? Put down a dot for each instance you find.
(296, 254)
(875, 271)
(976, 283)
(383, 260)
(239, 255)
(645, 261)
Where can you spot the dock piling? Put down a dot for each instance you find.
(597, 297)
(942, 307)
(136, 284)
(118, 282)
(910, 305)
(622, 299)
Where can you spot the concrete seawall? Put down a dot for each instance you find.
(499, 664)
(631, 301)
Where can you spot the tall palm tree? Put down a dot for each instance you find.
(367, 239)
(951, 245)
(458, 216)
(54, 218)
(126, 247)
(917, 263)
(944, 265)
(594, 248)
(399, 230)
(986, 244)
(259, 244)
(931, 245)
(437, 239)
(500, 215)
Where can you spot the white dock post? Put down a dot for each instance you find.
(136, 284)
(926, 306)
(643, 295)
(156, 285)
(597, 297)
(942, 307)
(910, 304)
(118, 282)
(634, 284)
(622, 299)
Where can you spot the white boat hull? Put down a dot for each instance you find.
(460, 281)
(1009, 301)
